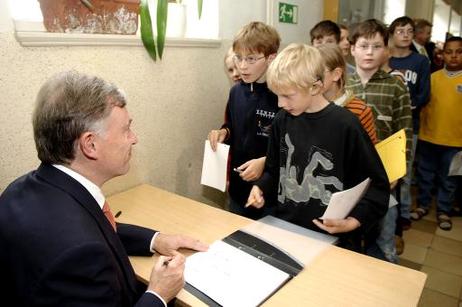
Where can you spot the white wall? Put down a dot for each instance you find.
(174, 103)
(309, 13)
(5, 21)
(238, 13)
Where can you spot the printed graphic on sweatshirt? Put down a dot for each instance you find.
(264, 120)
(311, 187)
(409, 75)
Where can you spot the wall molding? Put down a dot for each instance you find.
(48, 39)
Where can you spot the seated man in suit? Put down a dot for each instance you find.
(59, 243)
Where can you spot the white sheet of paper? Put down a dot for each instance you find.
(455, 169)
(341, 203)
(231, 277)
(392, 201)
(214, 166)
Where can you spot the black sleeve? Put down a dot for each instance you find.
(269, 180)
(136, 239)
(149, 299)
(83, 276)
(228, 122)
(364, 161)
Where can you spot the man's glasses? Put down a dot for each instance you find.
(365, 47)
(401, 32)
(250, 59)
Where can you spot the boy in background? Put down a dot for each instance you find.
(389, 99)
(440, 135)
(249, 113)
(306, 162)
(231, 69)
(328, 32)
(334, 89)
(345, 46)
(325, 32)
(416, 70)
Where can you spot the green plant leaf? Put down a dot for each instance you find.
(146, 30)
(162, 12)
(199, 8)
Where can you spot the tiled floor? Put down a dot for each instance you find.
(438, 253)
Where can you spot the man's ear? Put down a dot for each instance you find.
(87, 145)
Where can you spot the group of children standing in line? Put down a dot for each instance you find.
(300, 129)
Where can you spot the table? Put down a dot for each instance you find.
(332, 276)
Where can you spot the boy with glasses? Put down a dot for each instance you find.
(389, 99)
(416, 70)
(249, 113)
(317, 148)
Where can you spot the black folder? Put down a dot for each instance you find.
(267, 252)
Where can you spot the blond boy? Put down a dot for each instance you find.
(317, 148)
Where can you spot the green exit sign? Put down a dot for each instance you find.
(288, 13)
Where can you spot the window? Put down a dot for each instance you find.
(392, 10)
(29, 27)
(443, 14)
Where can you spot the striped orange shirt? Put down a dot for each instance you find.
(362, 111)
(365, 116)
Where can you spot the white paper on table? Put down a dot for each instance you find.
(455, 169)
(214, 166)
(341, 203)
(231, 277)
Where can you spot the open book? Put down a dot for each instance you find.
(230, 276)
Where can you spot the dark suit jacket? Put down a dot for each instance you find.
(430, 48)
(58, 249)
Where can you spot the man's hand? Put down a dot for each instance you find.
(255, 198)
(252, 169)
(338, 226)
(167, 277)
(216, 136)
(168, 244)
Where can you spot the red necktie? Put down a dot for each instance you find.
(107, 212)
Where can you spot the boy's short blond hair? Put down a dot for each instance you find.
(229, 54)
(257, 37)
(297, 66)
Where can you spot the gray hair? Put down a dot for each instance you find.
(69, 104)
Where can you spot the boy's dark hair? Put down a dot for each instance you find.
(401, 22)
(368, 29)
(452, 39)
(257, 37)
(420, 24)
(325, 28)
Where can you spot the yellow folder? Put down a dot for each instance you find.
(392, 152)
